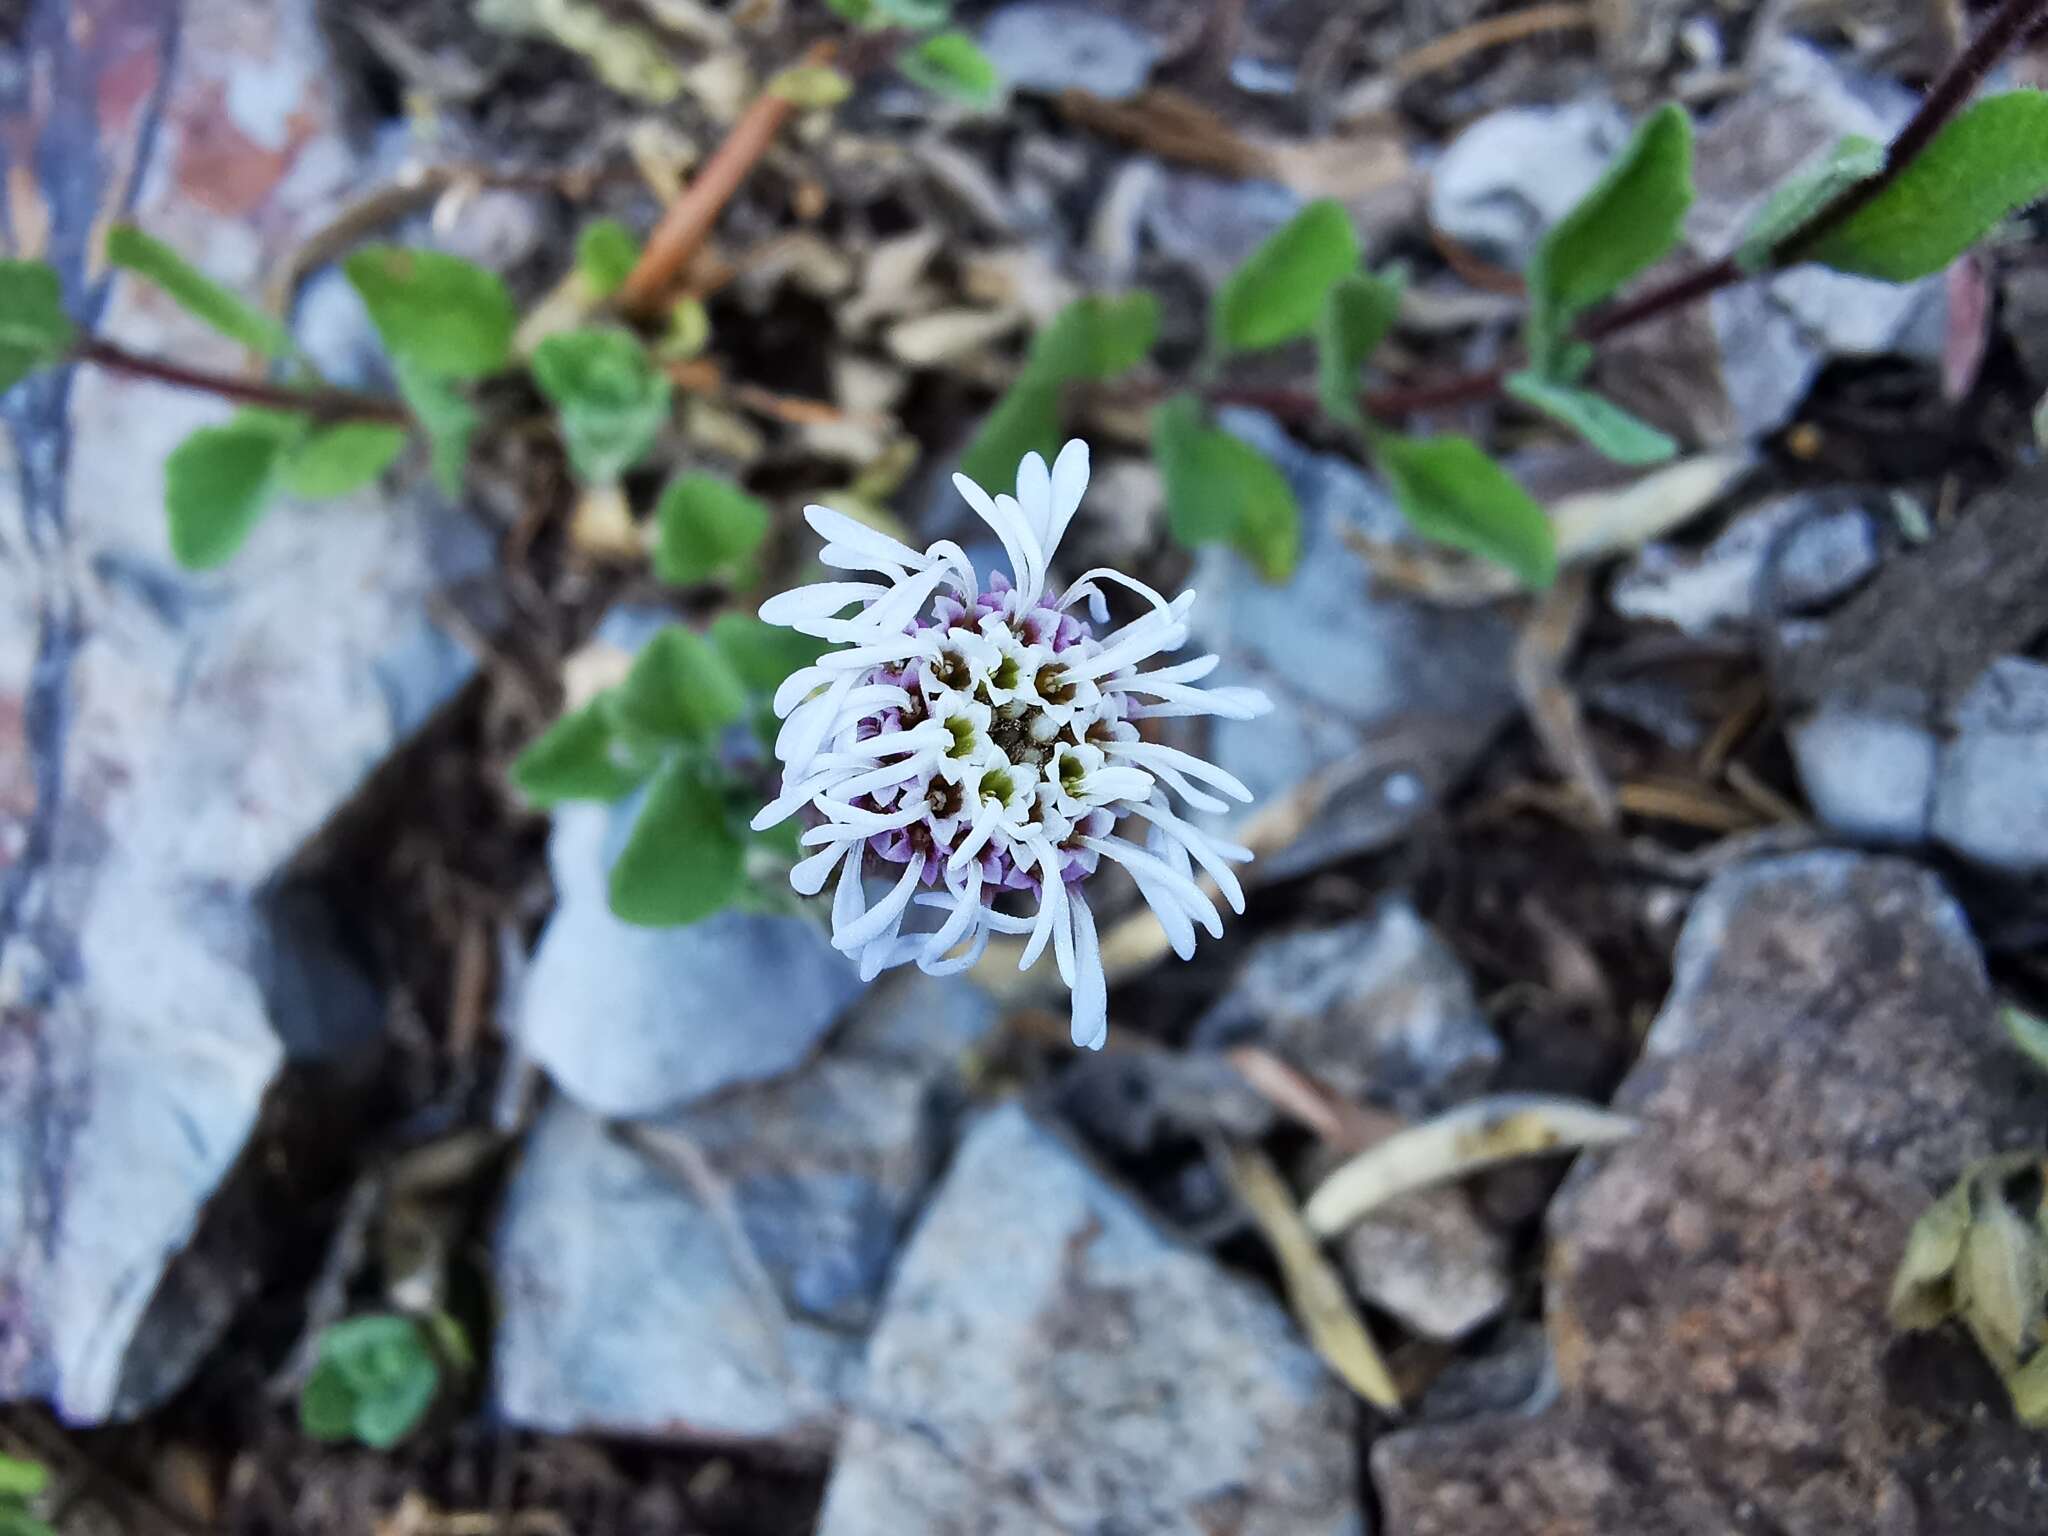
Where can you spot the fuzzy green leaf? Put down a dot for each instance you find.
(917, 15)
(2027, 1032)
(1026, 420)
(1622, 437)
(327, 1403)
(605, 254)
(706, 528)
(1923, 1290)
(681, 690)
(1278, 292)
(217, 483)
(333, 461)
(1357, 313)
(1626, 224)
(762, 655)
(34, 330)
(1854, 159)
(1095, 338)
(1450, 491)
(576, 759)
(683, 860)
(448, 418)
(437, 313)
(952, 65)
(197, 294)
(2002, 1280)
(1986, 165)
(613, 400)
(1220, 489)
(810, 86)
(21, 1479)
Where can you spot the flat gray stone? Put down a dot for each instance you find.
(1504, 181)
(1379, 1010)
(168, 741)
(627, 1306)
(1992, 805)
(1381, 700)
(1429, 1261)
(633, 1021)
(1057, 47)
(1829, 1061)
(1814, 546)
(1047, 1359)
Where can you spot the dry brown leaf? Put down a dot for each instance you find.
(1548, 635)
(1172, 126)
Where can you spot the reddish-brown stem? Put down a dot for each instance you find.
(687, 224)
(2015, 20)
(322, 404)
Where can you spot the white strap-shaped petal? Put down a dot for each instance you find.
(1069, 485)
(1030, 580)
(1052, 901)
(1008, 526)
(883, 777)
(882, 919)
(1212, 855)
(967, 901)
(1193, 670)
(986, 817)
(1090, 1025)
(848, 540)
(804, 732)
(965, 960)
(1087, 585)
(809, 876)
(1142, 864)
(1034, 500)
(1160, 758)
(1162, 629)
(805, 608)
(850, 896)
(894, 612)
(1115, 783)
(865, 823)
(1197, 797)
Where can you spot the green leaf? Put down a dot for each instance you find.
(197, 294)
(327, 1403)
(952, 65)
(395, 1411)
(682, 861)
(448, 418)
(2029, 1388)
(575, 759)
(1095, 338)
(1026, 420)
(34, 330)
(1278, 292)
(762, 655)
(1799, 199)
(689, 330)
(860, 12)
(1220, 489)
(1357, 313)
(21, 1479)
(1450, 491)
(605, 254)
(2027, 1032)
(613, 400)
(1626, 224)
(2002, 1280)
(811, 86)
(1624, 438)
(437, 313)
(336, 460)
(918, 15)
(705, 527)
(217, 483)
(1987, 164)
(681, 689)
(1923, 1290)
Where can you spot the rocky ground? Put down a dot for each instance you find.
(1742, 831)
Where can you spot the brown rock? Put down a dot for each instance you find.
(1827, 1063)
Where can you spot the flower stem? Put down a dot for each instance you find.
(322, 404)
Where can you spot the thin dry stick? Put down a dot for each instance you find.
(321, 404)
(687, 224)
(1494, 32)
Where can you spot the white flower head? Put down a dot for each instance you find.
(971, 741)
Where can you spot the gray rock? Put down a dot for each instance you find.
(169, 742)
(1210, 225)
(1048, 1360)
(1828, 1061)
(629, 1306)
(1378, 1010)
(634, 1021)
(1815, 547)
(1509, 177)
(1428, 1259)
(1373, 740)
(1056, 47)
(1513, 1373)
(1869, 774)
(1993, 802)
